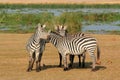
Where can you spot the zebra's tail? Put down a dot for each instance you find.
(98, 56)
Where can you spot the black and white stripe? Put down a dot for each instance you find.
(75, 46)
(35, 46)
(62, 30)
(83, 56)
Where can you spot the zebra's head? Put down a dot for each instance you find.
(41, 32)
(62, 30)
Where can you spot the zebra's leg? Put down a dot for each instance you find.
(37, 69)
(79, 57)
(65, 62)
(60, 57)
(37, 61)
(31, 62)
(83, 60)
(93, 61)
(71, 58)
(39, 64)
(29, 68)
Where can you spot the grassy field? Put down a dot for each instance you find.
(14, 61)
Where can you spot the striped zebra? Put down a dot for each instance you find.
(75, 46)
(62, 30)
(35, 47)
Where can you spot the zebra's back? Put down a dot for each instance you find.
(81, 44)
(76, 45)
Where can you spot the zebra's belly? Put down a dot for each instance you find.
(77, 52)
(65, 51)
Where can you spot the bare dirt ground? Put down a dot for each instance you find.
(62, 1)
(14, 61)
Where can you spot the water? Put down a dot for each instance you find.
(57, 12)
(96, 27)
(101, 28)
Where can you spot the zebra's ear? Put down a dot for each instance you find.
(43, 26)
(65, 27)
(61, 27)
(56, 28)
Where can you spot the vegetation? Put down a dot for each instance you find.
(26, 22)
(14, 6)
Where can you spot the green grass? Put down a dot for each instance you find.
(72, 6)
(118, 25)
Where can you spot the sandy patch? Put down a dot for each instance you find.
(14, 61)
(61, 1)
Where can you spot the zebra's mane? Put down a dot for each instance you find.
(56, 33)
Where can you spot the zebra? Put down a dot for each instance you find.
(62, 30)
(35, 46)
(75, 46)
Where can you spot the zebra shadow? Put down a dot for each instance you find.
(88, 65)
(45, 67)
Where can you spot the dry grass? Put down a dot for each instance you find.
(14, 61)
(62, 1)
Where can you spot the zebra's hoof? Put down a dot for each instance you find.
(28, 70)
(83, 66)
(44, 65)
(70, 65)
(93, 70)
(66, 69)
(38, 70)
(59, 66)
(98, 63)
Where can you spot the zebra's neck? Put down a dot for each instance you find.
(55, 38)
(36, 38)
